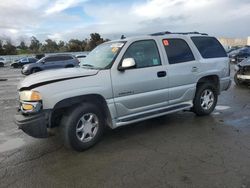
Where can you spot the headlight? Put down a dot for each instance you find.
(30, 96)
(30, 101)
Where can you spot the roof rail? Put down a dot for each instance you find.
(181, 33)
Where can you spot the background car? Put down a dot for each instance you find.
(2, 62)
(242, 72)
(51, 62)
(80, 57)
(237, 56)
(23, 61)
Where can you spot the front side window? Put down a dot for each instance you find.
(177, 51)
(24, 60)
(209, 47)
(103, 56)
(145, 53)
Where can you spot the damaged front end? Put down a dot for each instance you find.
(242, 72)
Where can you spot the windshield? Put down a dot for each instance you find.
(102, 56)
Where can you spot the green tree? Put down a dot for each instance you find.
(23, 46)
(62, 46)
(95, 40)
(34, 45)
(75, 45)
(50, 46)
(1, 48)
(9, 48)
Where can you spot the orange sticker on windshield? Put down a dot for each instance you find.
(165, 42)
(114, 49)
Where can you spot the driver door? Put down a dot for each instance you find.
(144, 87)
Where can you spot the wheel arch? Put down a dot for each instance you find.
(69, 66)
(214, 79)
(65, 105)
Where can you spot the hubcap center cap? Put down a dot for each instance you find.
(207, 99)
(87, 127)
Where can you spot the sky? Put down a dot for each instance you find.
(66, 19)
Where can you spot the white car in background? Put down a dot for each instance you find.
(2, 62)
(81, 57)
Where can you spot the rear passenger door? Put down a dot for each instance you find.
(182, 70)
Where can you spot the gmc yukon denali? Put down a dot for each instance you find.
(122, 82)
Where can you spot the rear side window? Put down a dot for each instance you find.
(209, 47)
(64, 58)
(177, 51)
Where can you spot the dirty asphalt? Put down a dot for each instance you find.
(177, 150)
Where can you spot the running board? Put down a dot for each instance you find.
(149, 115)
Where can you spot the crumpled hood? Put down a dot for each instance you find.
(55, 75)
(245, 62)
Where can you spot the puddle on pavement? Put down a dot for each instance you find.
(11, 144)
(220, 107)
(216, 113)
(242, 122)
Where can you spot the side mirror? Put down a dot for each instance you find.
(127, 64)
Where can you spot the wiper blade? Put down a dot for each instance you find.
(87, 65)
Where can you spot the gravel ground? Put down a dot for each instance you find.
(177, 150)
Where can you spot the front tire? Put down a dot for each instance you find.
(83, 127)
(34, 70)
(205, 99)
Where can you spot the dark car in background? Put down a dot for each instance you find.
(242, 72)
(51, 62)
(23, 61)
(237, 56)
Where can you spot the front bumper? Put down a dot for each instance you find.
(243, 77)
(34, 125)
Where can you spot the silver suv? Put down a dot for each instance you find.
(51, 62)
(122, 82)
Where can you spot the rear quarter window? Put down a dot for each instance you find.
(177, 51)
(209, 47)
(65, 58)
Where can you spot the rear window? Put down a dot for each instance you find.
(177, 51)
(209, 47)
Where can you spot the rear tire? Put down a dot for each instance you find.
(1, 64)
(83, 127)
(205, 99)
(15, 66)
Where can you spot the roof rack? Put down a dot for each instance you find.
(181, 33)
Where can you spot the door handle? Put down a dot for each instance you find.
(161, 74)
(194, 69)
